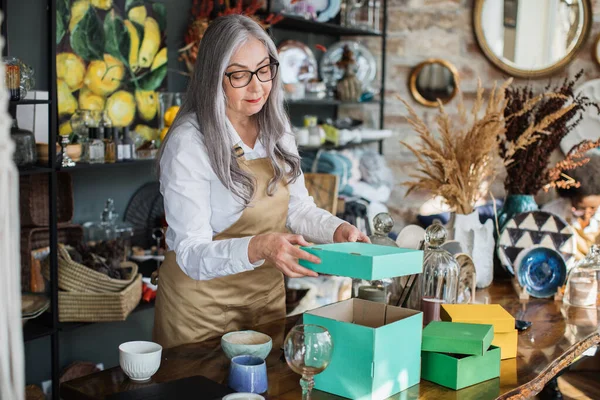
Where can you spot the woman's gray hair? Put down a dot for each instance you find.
(206, 101)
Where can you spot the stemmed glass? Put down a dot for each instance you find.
(308, 350)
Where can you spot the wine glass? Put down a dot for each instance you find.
(308, 350)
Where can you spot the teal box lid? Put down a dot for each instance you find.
(457, 338)
(364, 260)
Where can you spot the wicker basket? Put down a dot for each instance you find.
(75, 277)
(33, 192)
(99, 307)
(37, 238)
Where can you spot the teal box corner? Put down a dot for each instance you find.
(459, 371)
(364, 260)
(457, 338)
(376, 348)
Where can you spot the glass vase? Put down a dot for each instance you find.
(515, 204)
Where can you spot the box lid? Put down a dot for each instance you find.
(492, 314)
(364, 260)
(457, 338)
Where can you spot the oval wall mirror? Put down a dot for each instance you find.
(533, 38)
(432, 80)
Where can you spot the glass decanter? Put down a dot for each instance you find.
(582, 281)
(109, 229)
(439, 281)
(308, 350)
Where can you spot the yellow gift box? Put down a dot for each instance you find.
(505, 334)
(507, 341)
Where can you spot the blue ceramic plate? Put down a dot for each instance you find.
(541, 271)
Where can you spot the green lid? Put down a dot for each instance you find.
(457, 338)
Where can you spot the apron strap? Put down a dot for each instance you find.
(239, 152)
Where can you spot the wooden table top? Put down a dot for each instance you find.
(558, 336)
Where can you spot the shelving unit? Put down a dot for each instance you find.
(334, 29)
(49, 326)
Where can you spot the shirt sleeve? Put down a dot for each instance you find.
(304, 217)
(185, 182)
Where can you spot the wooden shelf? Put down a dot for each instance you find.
(293, 23)
(35, 329)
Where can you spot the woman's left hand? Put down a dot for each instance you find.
(349, 233)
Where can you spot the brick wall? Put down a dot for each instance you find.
(421, 29)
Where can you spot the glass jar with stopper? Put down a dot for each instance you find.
(109, 230)
(582, 281)
(382, 290)
(439, 282)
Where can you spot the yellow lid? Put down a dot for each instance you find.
(492, 314)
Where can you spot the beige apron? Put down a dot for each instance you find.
(189, 311)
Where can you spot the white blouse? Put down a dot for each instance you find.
(198, 206)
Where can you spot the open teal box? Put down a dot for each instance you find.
(377, 347)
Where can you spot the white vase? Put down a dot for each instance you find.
(477, 240)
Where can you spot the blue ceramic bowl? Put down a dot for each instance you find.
(248, 374)
(249, 343)
(541, 271)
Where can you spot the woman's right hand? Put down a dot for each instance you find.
(279, 249)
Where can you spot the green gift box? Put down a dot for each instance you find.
(364, 260)
(457, 338)
(457, 371)
(376, 348)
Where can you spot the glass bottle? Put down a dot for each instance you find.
(125, 148)
(582, 281)
(314, 133)
(80, 121)
(96, 146)
(25, 154)
(110, 147)
(439, 281)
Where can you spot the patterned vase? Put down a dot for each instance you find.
(349, 88)
(515, 204)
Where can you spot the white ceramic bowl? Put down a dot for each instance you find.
(243, 396)
(140, 360)
(250, 343)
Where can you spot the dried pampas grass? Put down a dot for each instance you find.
(464, 160)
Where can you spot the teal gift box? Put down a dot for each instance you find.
(364, 260)
(457, 371)
(376, 348)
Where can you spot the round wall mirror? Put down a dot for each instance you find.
(533, 38)
(432, 80)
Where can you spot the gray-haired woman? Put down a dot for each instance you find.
(232, 186)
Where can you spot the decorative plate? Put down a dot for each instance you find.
(297, 61)
(541, 271)
(365, 62)
(144, 212)
(588, 128)
(33, 305)
(535, 228)
(332, 9)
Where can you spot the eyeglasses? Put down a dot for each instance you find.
(266, 73)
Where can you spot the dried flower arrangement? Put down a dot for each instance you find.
(459, 164)
(204, 11)
(535, 126)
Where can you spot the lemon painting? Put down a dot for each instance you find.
(111, 56)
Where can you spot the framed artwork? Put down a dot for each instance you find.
(111, 57)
